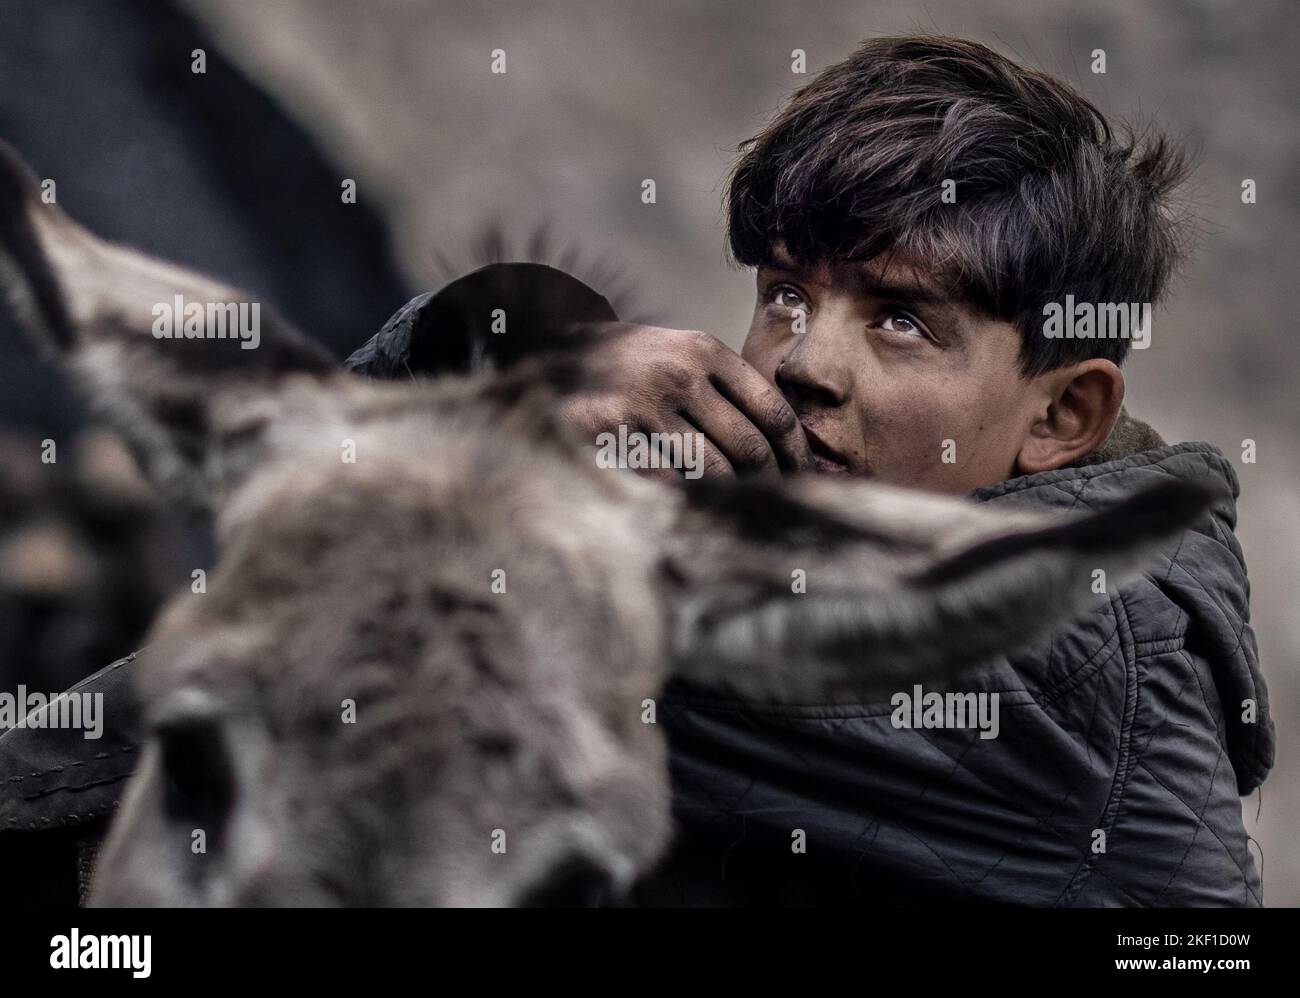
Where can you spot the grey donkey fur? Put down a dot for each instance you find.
(499, 753)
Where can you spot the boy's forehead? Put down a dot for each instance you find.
(893, 274)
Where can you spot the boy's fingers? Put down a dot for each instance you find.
(688, 453)
(707, 457)
(766, 408)
(730, 432)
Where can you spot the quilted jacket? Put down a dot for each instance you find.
(1125, 743)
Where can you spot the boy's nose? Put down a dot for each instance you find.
(811, 374)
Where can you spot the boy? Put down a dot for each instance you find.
(922, 217)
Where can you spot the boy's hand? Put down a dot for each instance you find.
(657, 380)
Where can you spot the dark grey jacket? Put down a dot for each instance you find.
(1115, 780)
(1128, 723)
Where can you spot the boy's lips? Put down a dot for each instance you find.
(825, 457)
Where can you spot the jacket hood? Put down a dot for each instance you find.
(1202, 573)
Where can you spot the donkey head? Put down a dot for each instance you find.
(421, 669)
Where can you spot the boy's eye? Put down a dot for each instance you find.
(787, 297)
(901, 322)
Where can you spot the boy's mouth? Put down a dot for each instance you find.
(825, 458)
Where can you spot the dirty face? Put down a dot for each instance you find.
(891, 375)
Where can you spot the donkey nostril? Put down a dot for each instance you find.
(198, 784)
(575, 883)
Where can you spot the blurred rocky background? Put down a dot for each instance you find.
(238, 172)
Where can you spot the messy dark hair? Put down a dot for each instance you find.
(1049, 200)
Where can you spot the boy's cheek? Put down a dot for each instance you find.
(904, 440)
(944, 441)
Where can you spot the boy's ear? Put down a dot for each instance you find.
(181, 364)
(1085, 401)
(816, 590)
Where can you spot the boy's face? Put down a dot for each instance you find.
(890, 376)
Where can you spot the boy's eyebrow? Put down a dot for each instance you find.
(916, 293)
(866, 282)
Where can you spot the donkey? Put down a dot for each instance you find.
(420, 676)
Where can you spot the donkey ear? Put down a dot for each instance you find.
(816, 590)
(168, 356)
